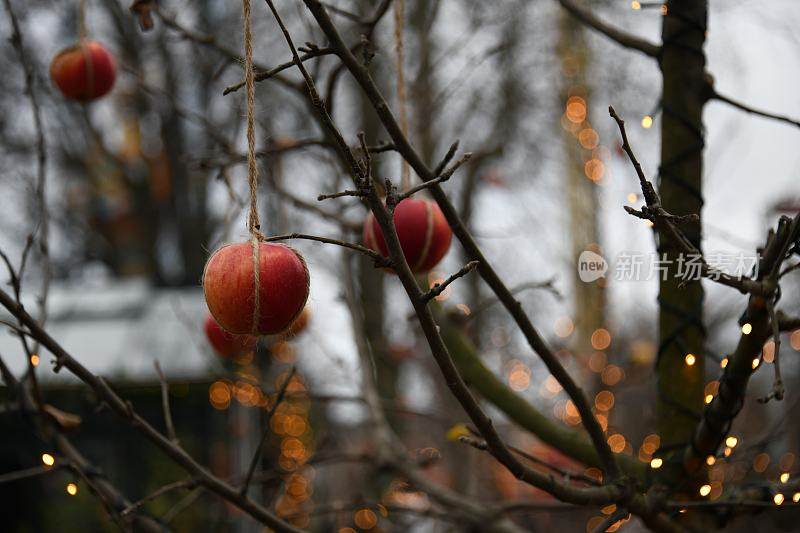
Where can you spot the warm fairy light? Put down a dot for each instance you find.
(761, 462)
(784, 477)
(588, 138)
(756, 362)
(597, 361)
(219, 394)
(636, 5)
(709, 398)
(72, 489)
(519, 376)
(576, 109)
(564, 326)
(724, 362)
(647, 122)
(632, 197)
(747, 328)
(365, 519)
(705, 490)
(794, 340)
(768, 353)
(48, 459)
(604, 400)
(796, 497)
(594, 169)
(778, 499)
(727, 452)
(786, 461)
(601, 339)
(710, 460)
(35, 360)
(656, 463)
(690, 359)
(731, 442)
(616, 442)
(612, 374)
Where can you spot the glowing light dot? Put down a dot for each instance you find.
(778, 499)
(705, 490)
(656, 463)
(709, 398)
(35, 360)
(647, 122)
(690, 359)
(796, 497)
(724, 362)
(48, 459)
(636, 5)
(731, 442)
(756, 362)
(747, 328)
(72, 489)
(784, 477)
(728, 452)
(632, 197)
(710, 460)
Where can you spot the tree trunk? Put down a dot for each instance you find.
(681, 331)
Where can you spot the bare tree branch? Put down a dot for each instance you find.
(618, 36)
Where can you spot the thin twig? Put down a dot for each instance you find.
(753, 111)
(620, 37)
(165, 404)
(444, 176)
(439, 288)
(257, 455)
(665, 223)
(183, 484)
(379, 260)
(537, 343)
(28, 473)
(340, 194)
(619, 514)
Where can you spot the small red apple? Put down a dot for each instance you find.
(227, 345)
(230, 290)
(422, 230)
(83, 71)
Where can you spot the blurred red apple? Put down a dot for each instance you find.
(230, 289)
(226, 344)
(84, 71)
(422, 230)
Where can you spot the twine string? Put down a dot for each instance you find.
(81, 20)
(87, 53)
(253, 223)
(399, 9)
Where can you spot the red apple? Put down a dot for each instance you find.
(83, 71)
(226, 344)
(230, 290)
(422, 230)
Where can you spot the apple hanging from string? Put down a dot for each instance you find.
(422, 230)
(244, 303)
(84, 71)
(227, 345)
